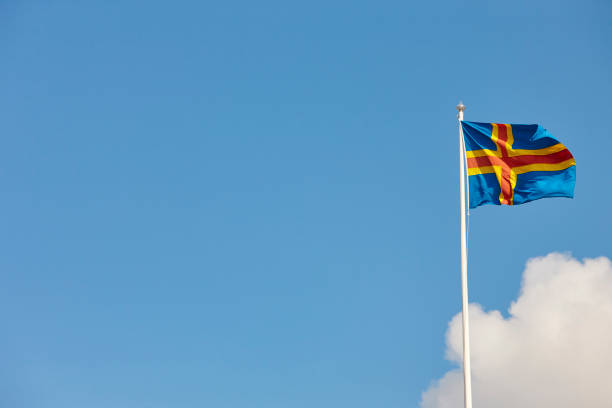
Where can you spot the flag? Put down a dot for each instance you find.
(514, 164)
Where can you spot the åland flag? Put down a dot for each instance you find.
(514, 164)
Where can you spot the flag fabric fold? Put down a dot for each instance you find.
(514, 164)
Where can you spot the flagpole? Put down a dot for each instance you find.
(467, 376)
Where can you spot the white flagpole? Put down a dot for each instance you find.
(467, 376)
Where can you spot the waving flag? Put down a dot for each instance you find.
(514, 164)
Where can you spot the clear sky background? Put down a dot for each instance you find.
(255, 204)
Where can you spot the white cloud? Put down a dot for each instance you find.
(554, 350)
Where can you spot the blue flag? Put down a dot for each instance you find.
(514, 164)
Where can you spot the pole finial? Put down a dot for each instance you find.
(461, 107)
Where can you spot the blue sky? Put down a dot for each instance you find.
(239, 204)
